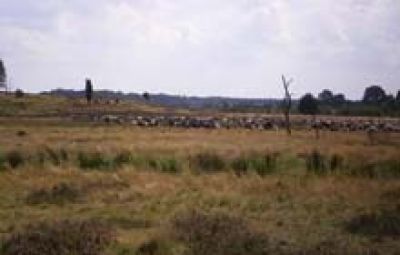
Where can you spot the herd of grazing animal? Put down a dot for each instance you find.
(257, 123)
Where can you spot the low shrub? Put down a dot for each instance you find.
(384, 223)
(217, 234)
(53, 156)
(79, 237)
(58, 194)
(261, 164)
(378, 169)
(207, 162)
(64, 154)
(94, 160)
(336, 162)
(21, 133)
(168, 165)
(2, 162)
(15, 159)
(155, 246)
(316, 162)
(122, 158)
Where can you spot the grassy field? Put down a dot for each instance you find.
(335, 195)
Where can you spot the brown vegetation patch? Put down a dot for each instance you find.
(384, 223)
(218, 234)
(82, 237)
(59, 194)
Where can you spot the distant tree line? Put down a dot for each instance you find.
(375, 102)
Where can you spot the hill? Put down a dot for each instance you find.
(190, 102)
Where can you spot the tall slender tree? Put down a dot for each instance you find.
(3, 75)
(89, 90)
(287, 104)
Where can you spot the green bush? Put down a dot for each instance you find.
(53, 156)
(122, 158)
(94, 160)
(261, 164)
(378, 169)
(316, 162)
(336, 162)
(207, 162)
(168, 165)
(83, 237)
(15, 159)
(2, 161)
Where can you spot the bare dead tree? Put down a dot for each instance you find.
(287, 104)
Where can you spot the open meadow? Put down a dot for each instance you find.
(118, 189)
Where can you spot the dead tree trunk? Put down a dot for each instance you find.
(287, 104)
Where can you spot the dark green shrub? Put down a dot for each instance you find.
(168, 165)
(217, 234)
(14, 159)
(21, 133)
(59, 194)
(122, 158)
(2, 162)
(155, 246)
(151, 247)
(261, 164)
(379, 169)
(336, 162)
(385, 223)
(83, 237)
(95, 160)
(41, 157)
(19, 93)
(207, 162)
(53, 156)
(265, 165)
(64, 154)
(240, 165)
(316, 162)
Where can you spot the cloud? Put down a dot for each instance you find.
(204, 47)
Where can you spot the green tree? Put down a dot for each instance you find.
(308, 104)
(374, 95)
(146, 96)
(19, 93)
(89, 90)
(339, 99)
(325, 96)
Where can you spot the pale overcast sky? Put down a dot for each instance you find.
(202, 47)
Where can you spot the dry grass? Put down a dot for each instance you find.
(305, 212)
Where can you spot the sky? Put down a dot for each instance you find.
(235, 48)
